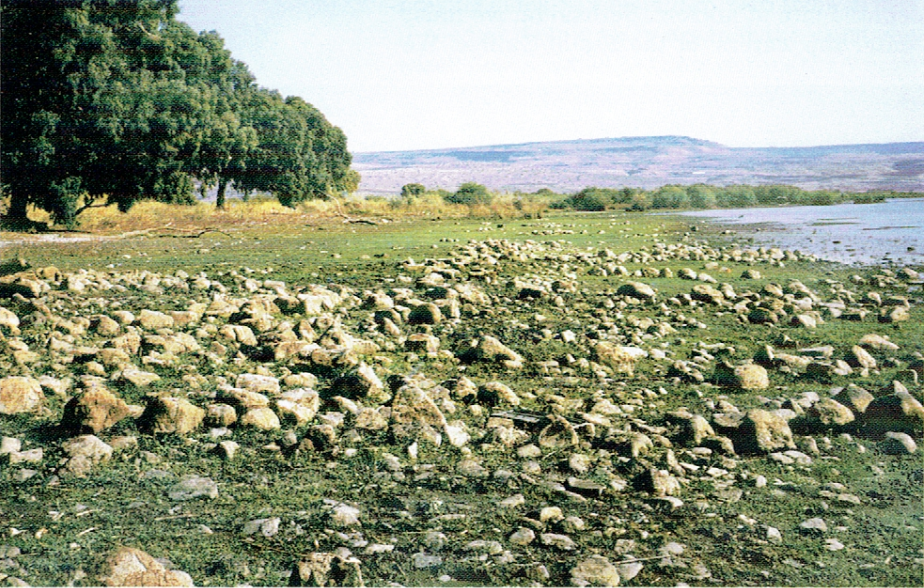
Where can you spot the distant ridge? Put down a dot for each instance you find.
(645, 162)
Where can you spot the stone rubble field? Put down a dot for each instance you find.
(517, 411)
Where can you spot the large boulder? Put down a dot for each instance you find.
(298, 406)
(20, 394)
(637, 290)
(899, 412)
(261, 418)
(761, 431)
(153, 319)
(361, 383)
(9, 322)
(707, 293)
(860, 358)
(411, 405)
(128, 566)
(490, 349)
(169, 414)
(693, 429)
(619, 357)
(93, 410)
(830, 413)
(749, 376)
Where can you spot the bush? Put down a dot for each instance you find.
(470, 194)
(589, 199)
(411, 190)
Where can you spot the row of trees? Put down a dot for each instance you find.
(114, 101)
(469, 194)
(707, 196)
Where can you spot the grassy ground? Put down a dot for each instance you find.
(66, 528)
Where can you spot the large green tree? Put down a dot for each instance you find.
(112, 101)
(95, 106)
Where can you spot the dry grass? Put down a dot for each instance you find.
(150, 215)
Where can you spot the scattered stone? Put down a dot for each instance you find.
(832, 544)
(193, 487)
(423, 560)
(227, 449)
(522, 537)
(257, 383)
(558, 541)
(815, 526)
(898, 444)
(595, 571)
(827, 413)
(774, 536)
(10, 445)
(30, 456)
(344, 515)
(266, 527)
(84, 452)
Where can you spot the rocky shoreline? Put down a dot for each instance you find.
(513, 412)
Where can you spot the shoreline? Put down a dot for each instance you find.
(888, 236)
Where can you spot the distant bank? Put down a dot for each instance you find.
(882, 233)
(645, 162)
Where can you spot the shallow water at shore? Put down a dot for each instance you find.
(890, 232)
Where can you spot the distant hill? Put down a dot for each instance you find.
(645, 162)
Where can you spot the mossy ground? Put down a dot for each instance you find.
(74, 524)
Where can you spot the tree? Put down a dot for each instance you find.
(470, 193)
(223, 141)
(701, 196)
(670, 197)
(590, 199)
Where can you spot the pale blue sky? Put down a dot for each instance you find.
(397, 75)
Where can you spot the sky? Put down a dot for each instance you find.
(428, 74)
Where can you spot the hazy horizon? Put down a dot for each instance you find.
(641, 137)
(424, 75)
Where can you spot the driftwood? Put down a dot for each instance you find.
(190, 233)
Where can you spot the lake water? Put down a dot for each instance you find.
(882, 233)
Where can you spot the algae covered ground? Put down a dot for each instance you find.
(580, 399)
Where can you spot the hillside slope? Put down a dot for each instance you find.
(646, 162)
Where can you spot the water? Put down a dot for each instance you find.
(882, 233)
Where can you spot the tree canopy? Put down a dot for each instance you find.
(114, 101)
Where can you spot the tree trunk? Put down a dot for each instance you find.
(16, 215)
(220, 201)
